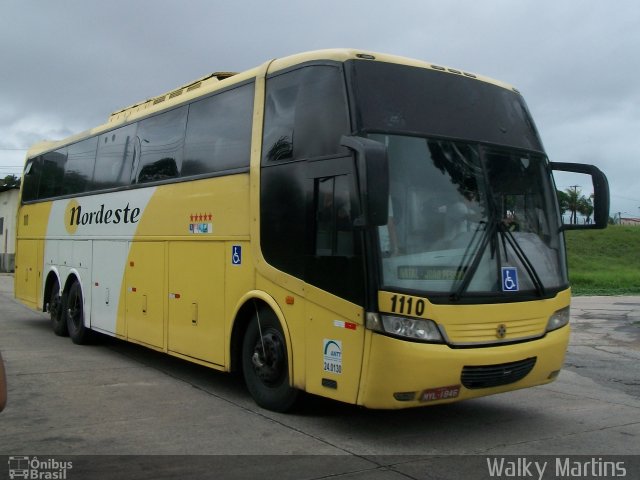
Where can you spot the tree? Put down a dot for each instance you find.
(11, 181)
(573, 201)
(563, 201)
(585, 207)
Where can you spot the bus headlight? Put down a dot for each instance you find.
(412, 328)
(559, 319)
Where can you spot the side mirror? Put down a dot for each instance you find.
(372, 168)
(600, 193)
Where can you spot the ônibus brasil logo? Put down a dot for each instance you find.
(34, 468)
(75, 215)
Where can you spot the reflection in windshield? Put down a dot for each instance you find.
(468, 219)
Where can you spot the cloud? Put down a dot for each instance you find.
(34, 128)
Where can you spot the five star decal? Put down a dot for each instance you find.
(201, 217)
(200, 223)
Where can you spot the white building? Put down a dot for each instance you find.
(630, 221)
(8, 212)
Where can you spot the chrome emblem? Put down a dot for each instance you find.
(501, 331)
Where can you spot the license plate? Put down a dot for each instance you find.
(440, 393)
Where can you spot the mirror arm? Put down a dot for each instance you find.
(372, 171)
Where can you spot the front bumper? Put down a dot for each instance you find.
(402, 374)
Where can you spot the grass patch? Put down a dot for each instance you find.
(604, 262)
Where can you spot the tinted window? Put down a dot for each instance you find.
(115, 156)
(161, 140)
(51, 179)
(307, 214)
(305, 114)
(218, 138)
(334, 219)
(78, 168)
(419, 101)
(335, 263)
(31, 179)
(219, 132)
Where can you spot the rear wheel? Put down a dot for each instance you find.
(74, 315)
(58, 321)
(265, 365)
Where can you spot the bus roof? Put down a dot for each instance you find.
(207, 81)
(218, 80)
(343, 54)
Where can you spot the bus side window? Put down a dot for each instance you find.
(31, 179)
(305, 114)
(51, 179)
(161, 141)
(219, 132)
(114, 158)
(78, 170)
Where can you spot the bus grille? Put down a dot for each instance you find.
(495, 375)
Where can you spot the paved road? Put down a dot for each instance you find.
(605, 343)
(117, 399)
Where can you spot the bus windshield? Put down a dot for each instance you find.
(467, 219)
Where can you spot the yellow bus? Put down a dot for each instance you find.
(373, 229)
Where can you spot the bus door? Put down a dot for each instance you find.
(334, 270)
(196, 299)
(28, 270)
(145, 276)
(109, 259)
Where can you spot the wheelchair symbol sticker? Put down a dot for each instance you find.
(510, 279)
(236, 255)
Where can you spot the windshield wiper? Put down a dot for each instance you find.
(494, 227)
(470, 271)
(528, 266)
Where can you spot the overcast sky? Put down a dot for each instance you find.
(65, 65)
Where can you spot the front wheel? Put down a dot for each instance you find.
(74, 314)
(265, 365)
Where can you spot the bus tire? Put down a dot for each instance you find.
(265, 365)
(74, 315)
(58, 320)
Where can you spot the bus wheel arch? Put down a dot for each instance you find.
(241, 322)
(261, 350)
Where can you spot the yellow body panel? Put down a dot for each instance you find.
(398, 366)
(196, 300)
(174, 287)
(144, 290)
(334, 326)
(27, 272)
(31, 231)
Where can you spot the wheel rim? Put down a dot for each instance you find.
(74, 310)
(269, 359)
(54, 304)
